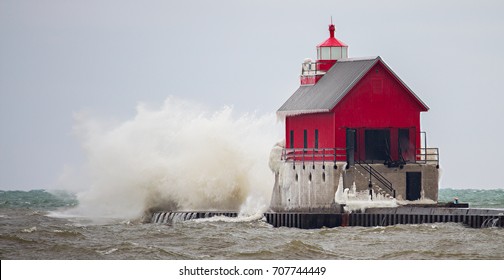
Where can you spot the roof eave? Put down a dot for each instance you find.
(291, 113)
(332, 42)
(424, 106)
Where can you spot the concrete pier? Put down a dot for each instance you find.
(179, 216)
(305, 185)
(311, 221)
(472, 217)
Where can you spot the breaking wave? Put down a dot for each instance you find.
(179, 156)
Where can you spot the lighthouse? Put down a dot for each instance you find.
(353, 124)
(352, 121)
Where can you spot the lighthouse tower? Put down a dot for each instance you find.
(328, 52)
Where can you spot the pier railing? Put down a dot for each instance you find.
(428, 156)
(314, 155)
(423, 155)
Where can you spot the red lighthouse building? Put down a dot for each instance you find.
(359, 112)
(361, 101)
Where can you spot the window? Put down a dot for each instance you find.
(316, 138)
(305, 139)
(344, 52)
(325, 53)
(291, 141)
(335, 52)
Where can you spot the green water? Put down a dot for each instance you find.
(37, 199)
(493, 198)
(35, 225)
(49, 200)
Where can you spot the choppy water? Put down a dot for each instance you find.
(32, 227)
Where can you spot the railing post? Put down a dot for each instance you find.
(313, 158)
(294, 159)
(323, 158)
(302, 157)
(334, 155)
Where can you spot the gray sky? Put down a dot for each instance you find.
(60, 57)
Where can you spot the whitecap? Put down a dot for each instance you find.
(32, 229)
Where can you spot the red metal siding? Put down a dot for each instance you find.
(309, 80)
(325, 65)
(324, 122)
(377, 101)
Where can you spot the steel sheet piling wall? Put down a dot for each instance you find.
(319, 220)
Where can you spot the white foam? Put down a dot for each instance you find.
(222, 218)
(177, 156)
(28, 230)
(107, 252)
(275, 162)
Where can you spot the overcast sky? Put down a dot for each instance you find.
(61, 57)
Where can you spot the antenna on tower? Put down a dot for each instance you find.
(331, 29)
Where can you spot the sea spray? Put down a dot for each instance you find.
(339, 196)
(177, 157)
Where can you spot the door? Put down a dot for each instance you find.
(350, 146)
(377, 143)
(413, 185)
(405, 147)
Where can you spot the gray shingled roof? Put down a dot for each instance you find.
(331, 88)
